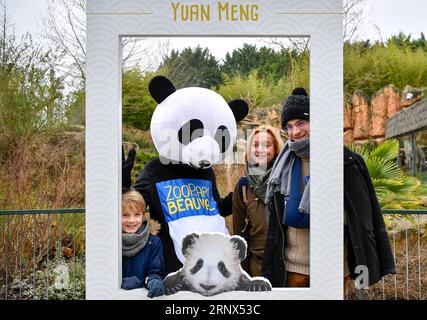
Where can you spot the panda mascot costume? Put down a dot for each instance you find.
(192, 129)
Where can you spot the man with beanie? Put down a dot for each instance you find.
(286, 261)
(288, 239)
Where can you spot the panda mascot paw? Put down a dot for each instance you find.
(212, 266)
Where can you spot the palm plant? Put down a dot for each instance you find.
(394, 189)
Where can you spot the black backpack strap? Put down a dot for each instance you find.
(243, 186)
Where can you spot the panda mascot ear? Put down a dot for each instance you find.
(240, 245)
(160, 88)
(189, 240)
(239, 108)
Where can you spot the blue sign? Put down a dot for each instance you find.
(182, 198)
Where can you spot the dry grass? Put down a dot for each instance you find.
(27, 242)
(49, 173)
(227, 177)
(140, 138)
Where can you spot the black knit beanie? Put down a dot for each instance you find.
(296, 106)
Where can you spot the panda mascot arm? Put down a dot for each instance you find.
(143, 185)
(212, 266)
(225, 204)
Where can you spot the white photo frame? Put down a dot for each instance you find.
(110, 20)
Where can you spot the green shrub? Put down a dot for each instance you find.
(253, 90)
(394, 189)
(138, 105)
(143, 157)
(371, 67)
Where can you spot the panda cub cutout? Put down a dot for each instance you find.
(212, 266)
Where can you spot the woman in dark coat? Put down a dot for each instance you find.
(250, 217)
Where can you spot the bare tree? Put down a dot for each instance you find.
(65, 29)
(353, 21)
(10, 52)
(353, 18)
(298, 44)
(5, 25)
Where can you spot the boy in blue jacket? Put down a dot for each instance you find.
(142, 263)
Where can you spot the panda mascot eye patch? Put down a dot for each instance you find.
(223, 138)
(212, 266)
(190, 131)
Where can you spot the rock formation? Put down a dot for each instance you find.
(384, 104)
(361, 115)
(365, 118)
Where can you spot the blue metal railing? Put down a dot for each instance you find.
(41, 211)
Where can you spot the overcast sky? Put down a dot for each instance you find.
(390, 16)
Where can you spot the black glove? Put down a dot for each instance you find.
(155, 288)
(131, 283)
(127, 165)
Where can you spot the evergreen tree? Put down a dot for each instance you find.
(192, 67)
(137, 104)
(404, 41)
(270, 65)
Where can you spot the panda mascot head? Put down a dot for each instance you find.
(194, 126)
(212, 266)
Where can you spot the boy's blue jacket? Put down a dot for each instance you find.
(147, 263)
